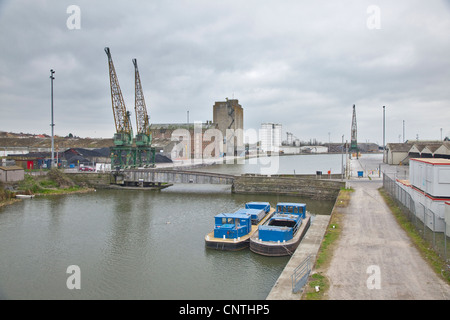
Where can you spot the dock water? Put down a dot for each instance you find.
(310, 244)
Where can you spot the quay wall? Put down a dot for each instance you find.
(322, 189)
(307, 186)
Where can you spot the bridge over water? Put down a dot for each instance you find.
(151, 176)
(326, 189)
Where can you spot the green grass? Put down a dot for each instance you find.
(317, 279)
(48, 184)
(433, 259)
(54, 182)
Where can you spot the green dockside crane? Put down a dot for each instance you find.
(145, 154)
(123, 154)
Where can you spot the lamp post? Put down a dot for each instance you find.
(52, 124)
(342, 159)
(384, 133)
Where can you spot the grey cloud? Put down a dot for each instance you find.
(303, 64)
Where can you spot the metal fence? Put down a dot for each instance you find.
(300, 275)
(421, 217)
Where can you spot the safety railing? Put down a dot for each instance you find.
(300, 275)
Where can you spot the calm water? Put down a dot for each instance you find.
(131, 245)
(292, 164)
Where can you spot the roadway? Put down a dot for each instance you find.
(374, 257)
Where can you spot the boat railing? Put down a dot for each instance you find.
(297, 226)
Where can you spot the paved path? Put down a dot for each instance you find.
(374, 258)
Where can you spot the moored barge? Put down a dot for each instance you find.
(232, 231)
(281, 234)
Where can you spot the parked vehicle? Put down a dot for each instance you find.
(86, 169)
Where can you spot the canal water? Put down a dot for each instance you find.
(289, 164)
(132, 245)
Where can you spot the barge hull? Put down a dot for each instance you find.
(227, 246)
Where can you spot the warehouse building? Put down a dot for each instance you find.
(401, 153)
(221, 136)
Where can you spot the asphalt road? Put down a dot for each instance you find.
(374, 258)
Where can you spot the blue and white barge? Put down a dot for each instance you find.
(232, 231)
(281, 234)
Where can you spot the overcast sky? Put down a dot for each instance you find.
(299, 63)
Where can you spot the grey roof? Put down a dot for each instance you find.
(399, 147)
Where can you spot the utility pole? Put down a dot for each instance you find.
(342, 159)
(403, 131)
(52, 124)
(347, 162)
(354, 135)
(384, 131)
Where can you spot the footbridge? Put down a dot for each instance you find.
(146, 177)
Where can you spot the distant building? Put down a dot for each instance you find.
(184, 140)
(11, 174)
(396, 152)
(400, 153)
(270, 136)
(229, 117)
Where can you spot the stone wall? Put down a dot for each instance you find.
(311, 188)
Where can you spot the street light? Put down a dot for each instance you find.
(342, 159)
(384, 134)
(52, 124)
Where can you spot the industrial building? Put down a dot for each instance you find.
(270, 136)
(229, 117)
(222, 136)
(401, 153)
(183, 140)
(429, 188)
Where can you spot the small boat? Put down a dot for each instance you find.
(232, 231)
(281, 234)
(24, 196)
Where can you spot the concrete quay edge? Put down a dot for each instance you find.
(310, 244)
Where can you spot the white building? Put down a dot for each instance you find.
(429, 188)
(270, 137)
